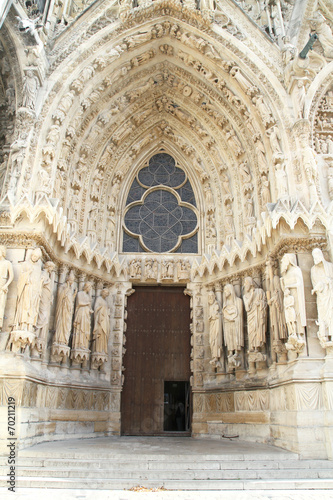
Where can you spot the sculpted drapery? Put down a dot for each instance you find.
(102, 324)
(82, 323)
(29, 287)
(322, 281)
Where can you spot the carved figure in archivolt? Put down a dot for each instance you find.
(29, 287)
(215, 328)
(6, 277)
(102, 323)
(30, 89)
(292, 278)
(322, 282)
(46, 300)
(82, 323)
(64, 311)
(232, 313)
(256, 308)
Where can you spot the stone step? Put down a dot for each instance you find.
(173, 465)
(196, 463)
(173, 474)
(116, 484)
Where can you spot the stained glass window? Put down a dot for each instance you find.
(160, 214)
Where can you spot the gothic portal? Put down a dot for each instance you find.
(166, 216)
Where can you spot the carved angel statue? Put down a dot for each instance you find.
(322, 282)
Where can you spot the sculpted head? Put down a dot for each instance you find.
(36, 254)
(105, 293)
(248, 284)
(71, 278)
(211, 297)
(49, 266)
(229, 290)
(87, 286)
(318, 256)
(289, 259)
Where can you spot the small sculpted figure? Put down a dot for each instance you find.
(289, 312)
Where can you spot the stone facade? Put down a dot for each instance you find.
(240, 98)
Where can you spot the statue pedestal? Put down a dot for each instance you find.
(20, 339)
(59, 353)
(98, 359)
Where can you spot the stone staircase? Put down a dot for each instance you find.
(266, 468)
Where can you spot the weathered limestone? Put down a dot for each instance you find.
(167, 144)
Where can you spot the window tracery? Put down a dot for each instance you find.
(160, 213)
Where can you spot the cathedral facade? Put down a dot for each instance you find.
(166, 219)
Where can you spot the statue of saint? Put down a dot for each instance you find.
(46, 300)
(292, 278)
(322, 281)
(102, 323)
(232, 321)
(64, 311)
(6, 277)
(82, 324)
(215, 328)
(29, 287)
(255, 305)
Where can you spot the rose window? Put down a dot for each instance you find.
(161, 213)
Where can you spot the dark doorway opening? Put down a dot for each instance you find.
(158, 349)
(176, 406)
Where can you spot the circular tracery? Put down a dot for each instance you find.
(160, 209)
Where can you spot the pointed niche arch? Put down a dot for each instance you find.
(161, 213)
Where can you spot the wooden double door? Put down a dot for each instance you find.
(156, 393)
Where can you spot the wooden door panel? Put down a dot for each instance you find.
(157, 349)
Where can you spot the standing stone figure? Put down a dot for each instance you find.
(64, 311)
(81, 324)
(29, 287)
(232, 313)
(289, 311)
(6, 277)
(102, 323)
(215, 328)
(292, 278)
(322, 281)
(46, 300)
(255, 306)
(30, 89)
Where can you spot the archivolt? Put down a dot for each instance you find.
(168, 86)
